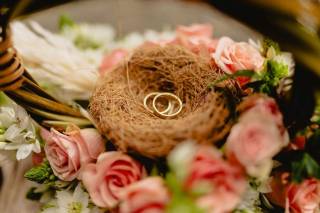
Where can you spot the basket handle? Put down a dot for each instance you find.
(18, 84)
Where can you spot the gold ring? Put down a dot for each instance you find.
(171, 96)
(145, 100)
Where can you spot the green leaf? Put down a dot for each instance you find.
(273, 73)
(41, 174)
(65, 22)
(305, 167)
(84, 42)
(181, 201)
(32, 195)
(4, 100)
(240, 73)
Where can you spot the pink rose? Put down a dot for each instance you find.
(112, 59)
(148, 195)
(233, 56)
(253, 141)
(197, 38)
(223, 184)
(68, 153)
(113, 172)
(303, 197)
(263, 104)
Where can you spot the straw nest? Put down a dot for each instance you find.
(117, 102)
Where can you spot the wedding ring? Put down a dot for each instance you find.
(145, 103)
(171, 97)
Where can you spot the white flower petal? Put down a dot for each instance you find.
(7, 117)
(12, 146)
(12, 132)
(36, 147)
(24, 151)
(64, 198)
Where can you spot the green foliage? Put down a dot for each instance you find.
(181, 202)
(33, 195)
(4, 100)
(65, 22)
(272, 75)
(83, 42)
(41, 174)
(305, 167)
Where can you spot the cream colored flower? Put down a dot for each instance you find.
(17, 132)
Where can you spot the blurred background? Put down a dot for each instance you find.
(294, 24)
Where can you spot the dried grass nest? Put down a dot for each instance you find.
(117, 102)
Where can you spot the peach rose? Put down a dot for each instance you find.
(68, 153)
(197, 38)
(253, 141)
(221, 183)
(113, 172)
(112, 59)
(303, 197)
(147, 195)
(232, 56)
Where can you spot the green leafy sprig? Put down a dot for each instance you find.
(267, 79)
(305, 167)
(41, 174)
(81, 40)
(181, 201)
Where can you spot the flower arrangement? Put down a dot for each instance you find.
(257, 167)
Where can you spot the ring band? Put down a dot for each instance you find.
(171, 96)
(145, 100)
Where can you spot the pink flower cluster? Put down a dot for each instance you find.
(111, 178)
(116, 179)
(228, 55)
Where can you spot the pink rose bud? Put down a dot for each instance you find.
(303, 197)
(222, 184)
(147, 195)
(68, 153)
(112, 59)
(113, 172)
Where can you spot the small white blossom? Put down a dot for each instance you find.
(287, 59)
(250, 202)
(17, 131)
(69, 202)
(180, 158)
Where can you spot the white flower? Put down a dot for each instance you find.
(250, 202)
(67, 201)
(180, 158)
(17, 131)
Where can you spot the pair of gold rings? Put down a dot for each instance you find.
(163, 104)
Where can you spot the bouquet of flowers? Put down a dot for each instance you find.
(257, 164)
